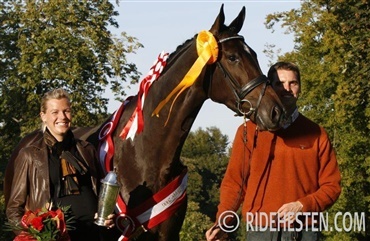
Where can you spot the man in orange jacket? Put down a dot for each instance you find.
(279, 176)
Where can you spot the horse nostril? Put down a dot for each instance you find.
(275, 114)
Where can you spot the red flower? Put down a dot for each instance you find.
(59, 218)
(37, 223)
(44, 225)
(24, 236)
(27, 218)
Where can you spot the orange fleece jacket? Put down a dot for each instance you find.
(293, 164)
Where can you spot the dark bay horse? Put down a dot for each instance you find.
(149, 162)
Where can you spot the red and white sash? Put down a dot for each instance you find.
(161, 205)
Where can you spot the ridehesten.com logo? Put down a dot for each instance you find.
(313, 221)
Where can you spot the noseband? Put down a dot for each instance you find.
(242, 91)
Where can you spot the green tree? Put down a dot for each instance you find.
(195, 223)
(57, 43)
(207, 156)
(206, 153)
(331, 47)
(4, 235)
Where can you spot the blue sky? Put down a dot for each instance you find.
(163, 25)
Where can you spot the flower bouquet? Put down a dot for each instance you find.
(44, 225)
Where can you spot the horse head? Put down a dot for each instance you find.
(237, 79)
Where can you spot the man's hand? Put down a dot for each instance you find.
(288, 212)
(214, 233)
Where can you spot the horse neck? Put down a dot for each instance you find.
(170, 137)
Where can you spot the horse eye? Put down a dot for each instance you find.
(232, 58)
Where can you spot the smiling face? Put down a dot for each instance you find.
(57, 117)
(287, 86)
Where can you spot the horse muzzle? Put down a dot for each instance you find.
(267, 113)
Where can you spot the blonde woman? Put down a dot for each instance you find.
(57, 168)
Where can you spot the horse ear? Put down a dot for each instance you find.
(219, 22)
(237, 24)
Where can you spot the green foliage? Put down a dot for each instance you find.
(205, 153)
(4, 235)
(331, 48)
(195, 224)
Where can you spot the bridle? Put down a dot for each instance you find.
(241, 92)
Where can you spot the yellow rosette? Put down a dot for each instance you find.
(207, 49)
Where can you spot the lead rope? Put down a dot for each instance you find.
(245, 171)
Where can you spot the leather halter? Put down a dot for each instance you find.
(242, 91)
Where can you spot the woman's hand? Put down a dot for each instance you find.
(109, 222)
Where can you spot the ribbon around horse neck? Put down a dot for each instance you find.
(207, 49)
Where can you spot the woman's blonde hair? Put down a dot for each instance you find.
(50, 95)
(53, 94)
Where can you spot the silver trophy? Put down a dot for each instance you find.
(107, 197)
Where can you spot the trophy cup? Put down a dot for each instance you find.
(107, 197)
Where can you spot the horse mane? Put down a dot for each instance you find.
(179, 47)
(177, 53)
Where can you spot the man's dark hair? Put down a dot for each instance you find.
(285, 66)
